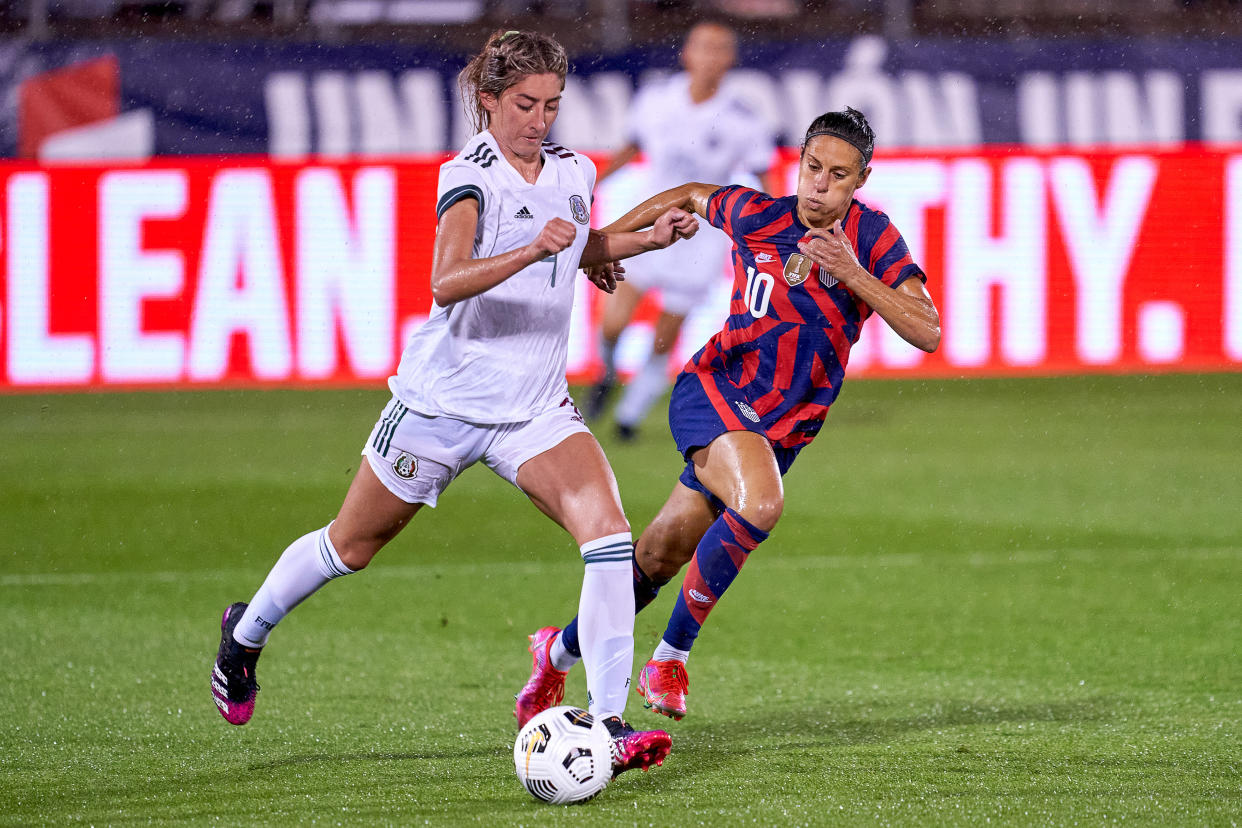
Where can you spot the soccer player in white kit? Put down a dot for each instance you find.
(484, 380)
(690, 127)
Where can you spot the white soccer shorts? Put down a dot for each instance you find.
(416, 456)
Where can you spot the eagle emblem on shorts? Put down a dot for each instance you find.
(405, 466)
(797, 269)
(578, 207)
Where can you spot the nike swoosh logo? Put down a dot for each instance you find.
(700, 597)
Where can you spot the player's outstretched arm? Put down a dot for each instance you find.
(907, 309)
(689, 197)
(602, 270)
(606, 245)
(455, 275)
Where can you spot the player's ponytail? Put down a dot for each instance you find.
(508, 57)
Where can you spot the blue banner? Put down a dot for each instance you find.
(295, 99)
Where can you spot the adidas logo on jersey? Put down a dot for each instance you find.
(523, 213)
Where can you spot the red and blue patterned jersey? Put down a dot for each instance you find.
(790, 327)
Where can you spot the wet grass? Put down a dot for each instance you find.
(1008, 601)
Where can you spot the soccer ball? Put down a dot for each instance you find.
(563, 755)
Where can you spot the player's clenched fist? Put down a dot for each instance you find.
(674, 224)
(555, 236)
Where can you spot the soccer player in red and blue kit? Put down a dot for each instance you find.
(809, 269)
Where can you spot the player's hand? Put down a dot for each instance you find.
(606, 276)
(673, 225)
(831, 250)
(557, 235)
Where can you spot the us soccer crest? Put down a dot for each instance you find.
(406, 465)
(578, 207)
(797, 269)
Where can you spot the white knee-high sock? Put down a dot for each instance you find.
(606, 622)
(643, 390)
(562, 659)
(667, 652)
(306, 564)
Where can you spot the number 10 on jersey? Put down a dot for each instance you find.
(758, 292)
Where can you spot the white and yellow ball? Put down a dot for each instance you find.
(563, 756)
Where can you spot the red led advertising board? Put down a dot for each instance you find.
(228, 271)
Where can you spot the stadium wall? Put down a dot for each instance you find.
(253, 272)
(142, 97)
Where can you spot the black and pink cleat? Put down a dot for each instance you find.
(233, 684)
(636, 748)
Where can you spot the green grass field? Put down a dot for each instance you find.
(1013, 602)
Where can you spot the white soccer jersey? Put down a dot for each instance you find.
(499, 357)
(708, 142)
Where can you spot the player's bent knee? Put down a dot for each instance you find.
(661, 554)
(763, 513)
(661, 569)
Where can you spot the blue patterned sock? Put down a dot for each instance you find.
(716, 562)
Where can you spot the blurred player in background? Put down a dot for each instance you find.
(484, 380)
(689, 127)
(809, 270)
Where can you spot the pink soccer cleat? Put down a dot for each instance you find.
(664, 686)
(636, 748)
(233, 684)
(546, 686)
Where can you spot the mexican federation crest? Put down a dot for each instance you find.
(578, 207)
(406, 465)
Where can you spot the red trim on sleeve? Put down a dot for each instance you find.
(891, 275)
